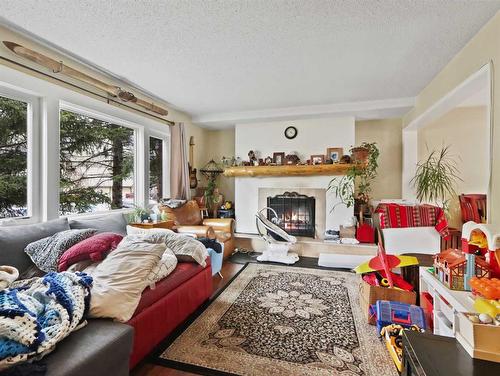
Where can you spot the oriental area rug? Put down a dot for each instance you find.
(279, 320)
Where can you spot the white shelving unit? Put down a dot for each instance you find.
(447, 303)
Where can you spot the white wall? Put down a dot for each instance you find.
(314, 137)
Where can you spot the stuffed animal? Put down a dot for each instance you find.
(8, 274)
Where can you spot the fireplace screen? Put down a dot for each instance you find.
(296, 213)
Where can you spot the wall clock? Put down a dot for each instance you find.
(291, 133)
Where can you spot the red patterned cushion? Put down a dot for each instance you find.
(94, 248)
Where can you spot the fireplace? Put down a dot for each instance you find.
(296, 213)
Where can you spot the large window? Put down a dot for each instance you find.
(156, 158)
(13, 158)
(96, 163)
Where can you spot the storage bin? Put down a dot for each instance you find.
(479, 340)
(369, 295)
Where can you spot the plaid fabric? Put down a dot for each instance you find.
(399, 216)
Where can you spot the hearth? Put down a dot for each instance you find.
(296, 213)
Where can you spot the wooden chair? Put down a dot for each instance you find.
(473, 207)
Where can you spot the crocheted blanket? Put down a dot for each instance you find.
(38, 313)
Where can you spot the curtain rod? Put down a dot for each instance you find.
(106, 98)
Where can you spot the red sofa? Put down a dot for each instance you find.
(168, 305)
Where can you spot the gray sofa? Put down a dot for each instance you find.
(102, 347)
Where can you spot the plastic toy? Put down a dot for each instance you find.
(379, 279)
(451, 266)
(392, 335)
(402, 314)
(484, 240)
(385, 262)
(490, 307)
(488, 288)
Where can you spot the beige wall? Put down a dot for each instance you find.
(481, 50)
(221, 144)
(212, 144)
(465, 130)
(388, 136)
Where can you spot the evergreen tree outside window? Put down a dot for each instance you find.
(13, 158)
(96, 165)
(155, 169)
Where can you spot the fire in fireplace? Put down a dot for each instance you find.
(296, 213)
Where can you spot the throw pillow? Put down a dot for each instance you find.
(45, 253)
(94, 248)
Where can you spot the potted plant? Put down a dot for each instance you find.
(361, 153)
(436, 178)
(354, 188)
(139, 214)
(213, 198)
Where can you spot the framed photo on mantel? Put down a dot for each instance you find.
(334, 154)
(317, 159)
(279, 158)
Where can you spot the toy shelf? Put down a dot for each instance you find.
(447, 303)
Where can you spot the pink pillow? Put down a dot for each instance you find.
(94, 248)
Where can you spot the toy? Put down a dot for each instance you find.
(379, 279)
(484, 240)
(399, 313)
(450, 268)
(385, 262)
(392, 335)
(486, 287)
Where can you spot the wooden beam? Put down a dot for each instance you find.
(287, 170)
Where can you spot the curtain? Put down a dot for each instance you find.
(179, 171)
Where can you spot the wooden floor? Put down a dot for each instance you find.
(229, 269)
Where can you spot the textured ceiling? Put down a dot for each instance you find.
(209, 57)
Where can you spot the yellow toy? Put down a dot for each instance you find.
(394, 342)
(490, 307)
(478, 239)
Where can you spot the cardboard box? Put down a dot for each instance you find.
(369, 295)
(348, 232)
(479, 340)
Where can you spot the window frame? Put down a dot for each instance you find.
(165, 138)
(139, 174)
(33, 132)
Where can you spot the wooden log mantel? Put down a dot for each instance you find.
(287, 170)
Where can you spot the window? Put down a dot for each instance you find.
(156, 159)
(96, 163)
(13, 158)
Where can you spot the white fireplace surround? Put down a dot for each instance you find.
(314, 137)
(253, 193)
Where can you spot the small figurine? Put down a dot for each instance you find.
(268, 161)
(292, 159)
(345, 159)
(252, 158)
